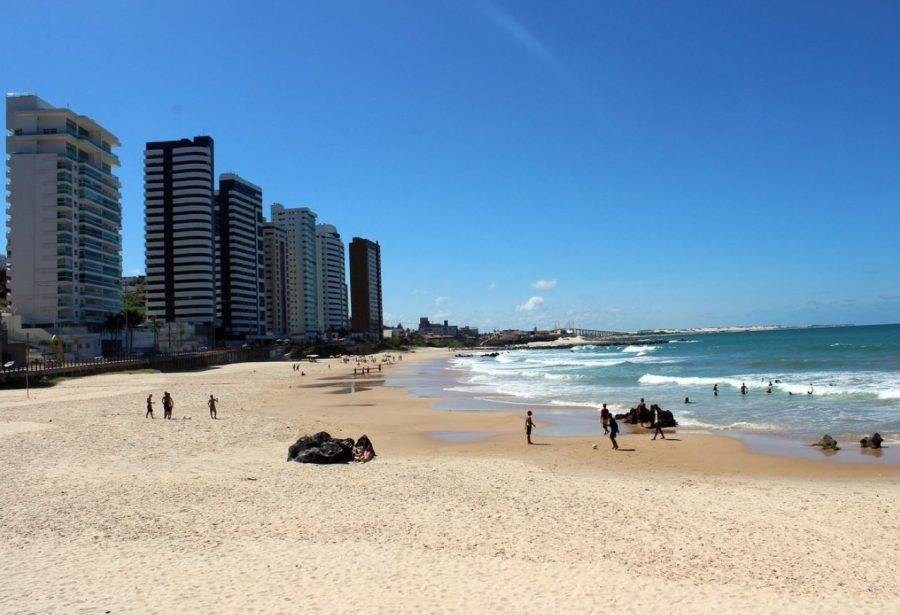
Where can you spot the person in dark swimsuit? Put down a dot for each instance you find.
(613, 431)
(743, 388)
(149, 406)
(716, 390)
(212, 406)
(529, 425)
(604, 419)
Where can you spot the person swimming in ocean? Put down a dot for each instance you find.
(687, 400)
(743, 388)
(716, 390)
(810, 391)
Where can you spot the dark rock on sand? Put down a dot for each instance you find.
(321, 448)
(873, 441)
(828, 443)
(645, 415)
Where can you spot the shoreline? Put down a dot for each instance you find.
(578, 420)
(104, 510)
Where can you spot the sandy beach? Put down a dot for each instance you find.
(102, 510)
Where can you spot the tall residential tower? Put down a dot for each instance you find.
(299, 225)
(64, 228)
(180, 242)
(332, 291)
(365, 288)
(241, 301)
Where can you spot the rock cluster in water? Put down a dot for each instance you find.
(828, 443)
(322, 448)
(873, 441)
(645, 415)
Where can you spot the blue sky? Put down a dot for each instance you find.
(625, 165)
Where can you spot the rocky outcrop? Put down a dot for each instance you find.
(873, 441)
(645, 415)
(321, 448)
(828, 443)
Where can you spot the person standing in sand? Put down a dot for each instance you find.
(529, 425)
(168, 405)
(149, 406)
(604, 419)
(613, 432)
(657, 423)
(212, 406)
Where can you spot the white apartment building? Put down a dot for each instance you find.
(180, 240)
(64, 242)
(241, 302)
(299, 225)
(275, 258)
(332, 274)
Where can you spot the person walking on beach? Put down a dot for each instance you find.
(613, 432)
(657, 423)
(640, 411)
(168, 405)
(604, 419)
(149, 406)
(743, 388)
(212, 406)
(529, 425)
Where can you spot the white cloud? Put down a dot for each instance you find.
(530, 305)
(439, 301)
(135, 272)
(440, 315)
(544, 284)
(492, 286)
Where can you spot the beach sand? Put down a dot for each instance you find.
(102, 510)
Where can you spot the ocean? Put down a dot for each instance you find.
(853, 372)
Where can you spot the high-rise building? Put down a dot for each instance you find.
(365, 288)
(299, 225)
(180, 241)
(241, 301)
(332, 291)
(65, 218)
(275, 258)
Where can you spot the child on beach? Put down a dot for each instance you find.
(529, 425)
(613, 432)
(212, 406)
(604, 419)
(149, 406)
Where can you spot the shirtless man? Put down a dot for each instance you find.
(212, 406)
(149, 406)
(529, 425)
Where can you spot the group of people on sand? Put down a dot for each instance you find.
(169, 405)
(296, 367)
(608, 421)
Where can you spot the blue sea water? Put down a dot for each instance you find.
(854, 373)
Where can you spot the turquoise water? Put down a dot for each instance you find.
(854, 373)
